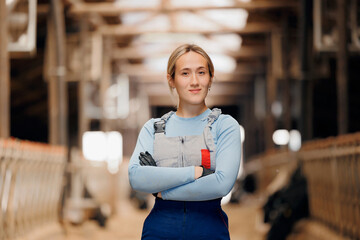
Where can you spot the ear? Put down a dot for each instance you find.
(170, 81)
(211, 81)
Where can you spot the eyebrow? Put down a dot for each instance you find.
(200, 67)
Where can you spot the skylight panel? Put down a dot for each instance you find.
(137, 3)
(222, 63)
(192, 3)
(158, 23)
(187, 20)
(168, 38)
(230, 42)
(134, 17)
(233, 18)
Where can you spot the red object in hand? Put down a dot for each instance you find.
(205, 158)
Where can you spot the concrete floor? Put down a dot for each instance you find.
(245, 220)
(244, 224)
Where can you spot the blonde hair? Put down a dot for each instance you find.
(181, 50)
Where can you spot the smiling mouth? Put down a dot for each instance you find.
(195, 90)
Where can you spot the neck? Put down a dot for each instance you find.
(189, 111)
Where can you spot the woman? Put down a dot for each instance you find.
(188, 159)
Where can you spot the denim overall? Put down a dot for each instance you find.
(185, 220)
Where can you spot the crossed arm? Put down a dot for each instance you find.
(181, 183)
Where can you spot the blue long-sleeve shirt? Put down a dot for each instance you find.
(180, 183)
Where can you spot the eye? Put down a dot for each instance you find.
(184, 73)
(202, 72)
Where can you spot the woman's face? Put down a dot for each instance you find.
(192, 78)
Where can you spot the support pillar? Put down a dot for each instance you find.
(286, 76)
(82, 119)
(341, 68)
(4, 74)
(271, 85)
(57, 15)
(105, 82)
(305, 121)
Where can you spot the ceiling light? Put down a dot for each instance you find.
(281, 137)
(295, 140)
(223, 63)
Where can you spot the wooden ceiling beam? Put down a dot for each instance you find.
(217, 89)
(26, 79)
(221, 94)
(29, 98)
(136, 53)
(38, 109)
(250, 28)
(224, 100)
(167, 101)
(218, 78)
(144, 73)
(111, 9)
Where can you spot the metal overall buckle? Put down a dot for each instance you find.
(159, 126)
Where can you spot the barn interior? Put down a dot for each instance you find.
(79, 78)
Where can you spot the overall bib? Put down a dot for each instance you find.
(184, 220)
(184, 151)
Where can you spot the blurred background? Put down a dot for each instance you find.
(79, 78)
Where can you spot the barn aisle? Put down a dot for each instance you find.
(126, 224)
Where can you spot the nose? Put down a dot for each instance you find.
(194, 80)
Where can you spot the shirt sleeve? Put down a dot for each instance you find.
(228, 159)
(154, 179)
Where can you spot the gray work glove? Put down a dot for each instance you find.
(146, 159)
(206, 171)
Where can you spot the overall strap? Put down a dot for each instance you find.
(159, 125)
(208, 137)
(215, 113)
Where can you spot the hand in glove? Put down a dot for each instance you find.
(146, 159)
(206, 171)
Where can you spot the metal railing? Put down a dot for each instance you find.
(31, 176)
(332, 169)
